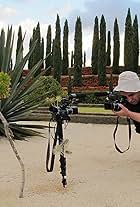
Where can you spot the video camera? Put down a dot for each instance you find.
(112, 100)
(66, 107)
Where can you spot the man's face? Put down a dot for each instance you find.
(132, 97)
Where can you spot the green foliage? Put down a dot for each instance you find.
(37, 54)
(128, 43)
(84, 63)
(78, 53)
(72, 58)
(95, 47)
(65, 61)
(102, 53)
(108, 53)
(4, 85)
(2, 41)
(90, 98)
(42, 52)
(57, 62)
(16, 106)
(135, 45)
(48, 60)
(49, 88)
(19, 42)
(116, 49)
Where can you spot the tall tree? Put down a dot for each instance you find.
(116, 49)
(95, 47)
(30, 61)
(57, 62)
(78, 53)
(37, 53)
(48, 61)
(84, 59)
(108, 53)
(19, 43)
(65, 61)
(53, 53)
(72, 59)
(128, 43)
(102, 53)
(135, 45)
(42, 52)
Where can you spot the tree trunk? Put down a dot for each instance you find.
(9, 136)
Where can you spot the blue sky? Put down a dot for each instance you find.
(28, 12)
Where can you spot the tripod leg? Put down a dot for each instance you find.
(62, 157)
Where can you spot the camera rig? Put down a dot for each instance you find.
(112, 101)
(60, 113)
(66, 107)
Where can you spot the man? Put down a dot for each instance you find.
(129, 87)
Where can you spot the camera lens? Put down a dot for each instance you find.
(116, 107)
(108, 106)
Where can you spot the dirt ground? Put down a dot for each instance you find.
(97, 175)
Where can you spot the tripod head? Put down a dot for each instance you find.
(65, 108)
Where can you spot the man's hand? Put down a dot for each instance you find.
(123, 112)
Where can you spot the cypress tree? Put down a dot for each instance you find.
(65, 61)
(102, 53)
(72, 59)
(116, 49)
(108, 53)
(78, 53)
(135, 45)
(95, 47)
(30, 61)
(53, 54)
(42, 52)
(84, 59)
(57, 62)
(48, 61)
(128, 43)
(31, 58)
(37, 51)
(19, 42)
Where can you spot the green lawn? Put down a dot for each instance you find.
(94, 110)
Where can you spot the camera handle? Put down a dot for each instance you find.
(51, 156)
(114, 135)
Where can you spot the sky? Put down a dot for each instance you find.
(28, 13)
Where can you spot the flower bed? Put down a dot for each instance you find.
(89, 81)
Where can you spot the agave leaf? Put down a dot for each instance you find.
(19, 66)
(22, 113)
(22, 132)
(7, 52)
(19, 55)
(21, 99)
(19, 89)
(17, 106)
(37, 126)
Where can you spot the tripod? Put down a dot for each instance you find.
(58, 140)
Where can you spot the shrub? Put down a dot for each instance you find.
(49, 89)
(4, 85)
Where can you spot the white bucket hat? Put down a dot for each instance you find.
(128, 82)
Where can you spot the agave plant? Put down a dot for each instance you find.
(17, 106)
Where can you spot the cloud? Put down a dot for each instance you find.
(110, 9)
(6, 12)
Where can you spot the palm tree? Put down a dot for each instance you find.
(17, 106)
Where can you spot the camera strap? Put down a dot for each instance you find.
(129, 135)
(50, 157)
